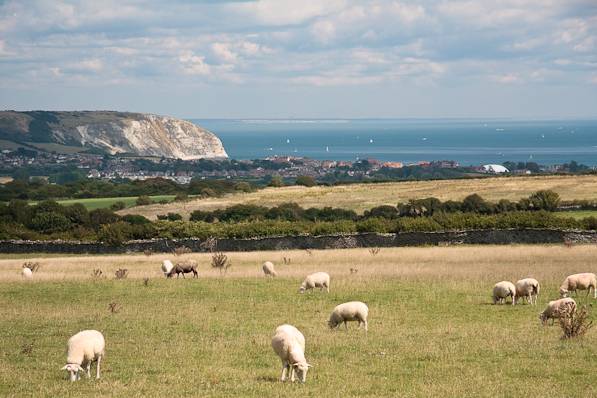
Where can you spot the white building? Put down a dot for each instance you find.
(495, 168)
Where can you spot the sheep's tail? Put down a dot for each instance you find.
(536, 289)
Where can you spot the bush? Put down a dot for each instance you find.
(115, 234)
(276, 181)
(545, 200)
(181, 197)
(243, 187)
(574, 323)
(143, 201)
(306, 181)
(47, 223)
(135, 219)
(476, 204)
(118, 205)
(389, 212)
(100, 217)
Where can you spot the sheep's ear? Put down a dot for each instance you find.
(309, 365)
(65, 367)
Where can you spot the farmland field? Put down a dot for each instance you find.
(433, 331)
(361, 197)
(98, 203)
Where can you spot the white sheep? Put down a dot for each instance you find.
(27, 273)
(318, 279)
(573, 283)
(502, 290)
(527, 288)
(351, 311)
(82, 349)
(555, 309)
(268, 269)
(289, 344)
(167, 267)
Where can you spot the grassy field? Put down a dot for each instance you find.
(99, 203)
(578, 214)
(365, 196)
(433, 331)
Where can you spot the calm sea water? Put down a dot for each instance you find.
(470, 142)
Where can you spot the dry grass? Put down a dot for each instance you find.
(365, 196)
(548, 263)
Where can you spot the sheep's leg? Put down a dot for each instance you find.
(284, 370)
(345, 325)
(89, 370)
(97, 370)
(292, 373)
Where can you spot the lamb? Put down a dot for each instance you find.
(289, 343)
(268, 269)
(555, 309)
(83, 348)
(502, 290)
(167, 267)
(318, 279)
(527, 288)
(184, 268)
(351, 311)
(27, 273)
(576, 282)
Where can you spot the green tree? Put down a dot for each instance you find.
(276, 181)
(545, 200)
(143, 200)
(306, 181)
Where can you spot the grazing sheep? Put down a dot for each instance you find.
(167, 267)
(573, 283)
(502, 290)
(27, 273)
(351, 311)
(289, 343)
(555, 308)
(184, 268)
(527, 288)
(268, 269)
(82, 349)
(318, 279)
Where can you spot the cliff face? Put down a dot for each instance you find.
(113, 132)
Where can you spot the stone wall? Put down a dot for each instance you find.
(496, 237)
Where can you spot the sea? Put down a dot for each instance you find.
(467, 141)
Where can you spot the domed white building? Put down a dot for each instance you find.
(495, 168)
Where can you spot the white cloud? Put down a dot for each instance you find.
(289, 12)
(509, 78)
(223, 52)
(194, 64)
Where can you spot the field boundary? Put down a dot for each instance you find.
(471, 237)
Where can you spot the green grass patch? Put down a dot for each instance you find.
(211, 337)
(100, 203)
(577, 214)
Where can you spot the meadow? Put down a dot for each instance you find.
(360, 197)
(432, 328)
(101, 203)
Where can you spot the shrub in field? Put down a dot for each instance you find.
(135, 219)
(50, 222)
(121, 273)
(181, 197)
(220, 261)
(210, 244)
(114, 307)
(306, 181)
(374, 251)
(545, 200)
(115, 234)
(170, 217)
(143, 201)
(97, 273)
(379, 225)
(574, 323)
(118, 205)
(276, 181)
(100, 217)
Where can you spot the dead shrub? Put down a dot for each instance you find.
(374, 250)
(33, 266)
(148, 252)
(354, 270)
(286, 260)
(309, 252)
(27, 348)
(114, 307)
(209, 245)
(97, 273)
(568, 243)
(145, 282)
(121, 273)
(220, 261)
(574, 323)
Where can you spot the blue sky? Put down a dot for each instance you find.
(302, 58)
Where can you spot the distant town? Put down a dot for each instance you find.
(107, 167)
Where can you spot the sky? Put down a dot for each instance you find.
(533, 59)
